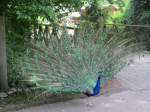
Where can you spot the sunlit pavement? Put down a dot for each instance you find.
(134, 98)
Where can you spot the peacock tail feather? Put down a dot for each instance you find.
(63, 66)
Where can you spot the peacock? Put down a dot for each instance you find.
(62, 67)
(96, 89)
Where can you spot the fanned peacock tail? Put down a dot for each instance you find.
(66, 67)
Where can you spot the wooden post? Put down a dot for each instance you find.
(3, 63)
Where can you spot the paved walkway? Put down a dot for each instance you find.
(135, 97)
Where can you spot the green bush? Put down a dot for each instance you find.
(15, 51)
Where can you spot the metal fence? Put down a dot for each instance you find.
(44, 33)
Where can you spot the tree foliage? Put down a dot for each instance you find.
(139, 13)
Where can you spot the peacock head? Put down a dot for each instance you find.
(100, 74)
(99, 77)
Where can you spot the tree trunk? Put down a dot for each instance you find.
(3, 64)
